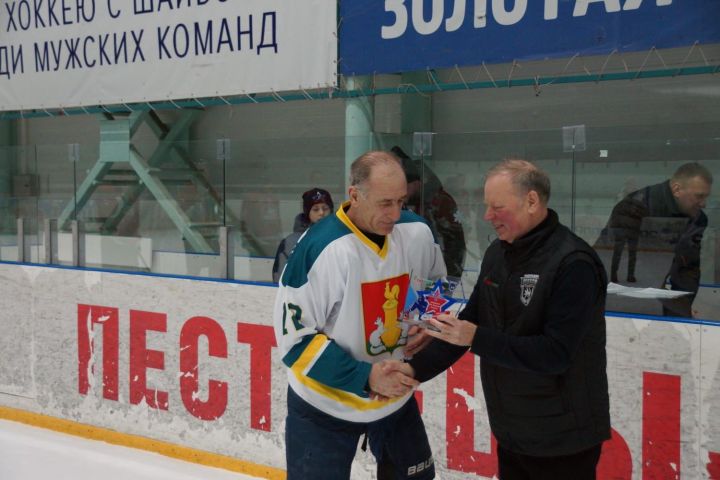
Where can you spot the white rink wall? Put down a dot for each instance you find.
(193, 363)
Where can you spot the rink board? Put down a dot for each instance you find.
(194, 363)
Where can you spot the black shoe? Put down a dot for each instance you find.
(632, 279)
(613, 277)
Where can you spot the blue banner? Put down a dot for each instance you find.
(408, 35)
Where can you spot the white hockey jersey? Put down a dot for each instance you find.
(337, 307)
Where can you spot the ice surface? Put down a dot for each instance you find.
(32, 453)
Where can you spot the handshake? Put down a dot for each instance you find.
(391, 378)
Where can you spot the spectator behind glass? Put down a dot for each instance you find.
(675, 207)
(317, 204)
(429, 199)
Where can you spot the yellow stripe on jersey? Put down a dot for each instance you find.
(303, 364)
(348, 223)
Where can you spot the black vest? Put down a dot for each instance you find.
(541, 414)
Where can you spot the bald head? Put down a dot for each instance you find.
(363, 166)
(378, 191)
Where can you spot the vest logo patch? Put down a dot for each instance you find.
(382, 304)
(527, 287)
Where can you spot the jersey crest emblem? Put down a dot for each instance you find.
(527, 287)
(382, 304)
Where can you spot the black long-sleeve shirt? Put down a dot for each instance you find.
(551, 352)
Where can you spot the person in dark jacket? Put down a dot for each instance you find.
(681, 198)
(428, 198)
(317, 204)
(536, 319)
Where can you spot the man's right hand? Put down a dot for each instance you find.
(392, 378)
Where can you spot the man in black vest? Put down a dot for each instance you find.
(678, 205)
(536, 319)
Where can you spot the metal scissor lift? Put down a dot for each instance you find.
(121, 164)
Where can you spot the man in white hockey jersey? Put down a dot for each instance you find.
(337, 322)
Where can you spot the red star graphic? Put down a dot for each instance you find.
(435, 302)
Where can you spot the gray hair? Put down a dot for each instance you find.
(362, 167)
(524, 176)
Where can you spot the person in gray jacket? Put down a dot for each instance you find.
(317, 204)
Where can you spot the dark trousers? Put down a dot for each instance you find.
(578, 466)
(321, 447)
(621, 236)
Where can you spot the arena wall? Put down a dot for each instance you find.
(192, 364)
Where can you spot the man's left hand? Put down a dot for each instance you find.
(453, 330)
(417, 340)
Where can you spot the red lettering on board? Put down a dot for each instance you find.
(262, 340)
(460, 424)
(216, 403)
(87, 318)
(142, 358)
(615, 460)
(713, 466)
(661, 393)
(661, 426)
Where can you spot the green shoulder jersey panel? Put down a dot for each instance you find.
(309, 248)
(407, 216)
(336, 369)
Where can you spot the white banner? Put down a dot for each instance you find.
(70, 53)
